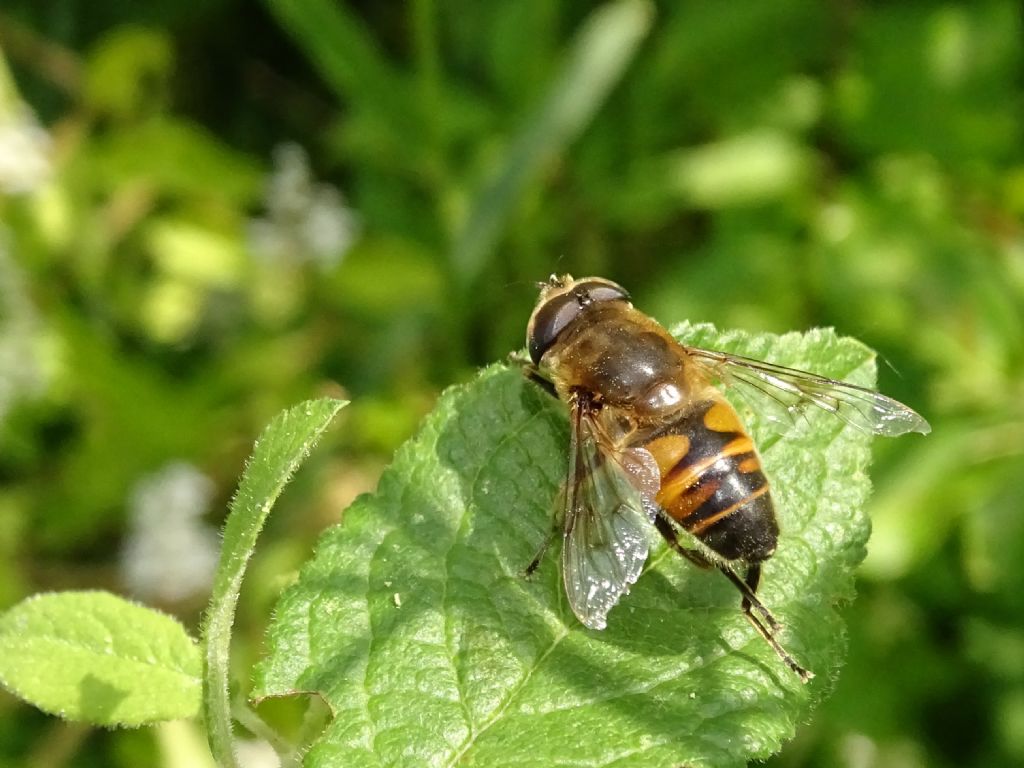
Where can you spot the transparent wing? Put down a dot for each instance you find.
(787, 390)
(606, 525)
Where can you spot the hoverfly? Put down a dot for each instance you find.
(653, 440)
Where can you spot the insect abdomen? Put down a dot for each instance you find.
(712, 483)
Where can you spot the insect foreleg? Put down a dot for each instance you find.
(531, 372)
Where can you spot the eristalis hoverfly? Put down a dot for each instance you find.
(654, 440)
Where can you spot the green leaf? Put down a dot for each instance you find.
(416, 625)
(282, 447)
(98, 658)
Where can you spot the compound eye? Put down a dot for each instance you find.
(596, 289)
(558, 312)
(548, 321)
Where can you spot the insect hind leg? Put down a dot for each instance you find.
(669, 534)
(750, 603)
(747, 587)
(805, 675)
(752, 579)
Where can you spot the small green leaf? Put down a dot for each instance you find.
(416, 625)
(98, 658)
(282, 447)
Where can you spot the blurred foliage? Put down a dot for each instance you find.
(764, 165)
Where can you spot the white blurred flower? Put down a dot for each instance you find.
(256, 753)
(170, 553)
(24, 151)
(21, 371)
(306, 220)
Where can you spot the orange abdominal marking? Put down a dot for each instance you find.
(668, 450)
(709, 521)
(748, 465)
(741, 444)
(689, 501)
(721, 417)
(681, 476)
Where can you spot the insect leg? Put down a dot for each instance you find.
(752, 580)
(747, 589)
(535, 563)
(531, 372)
(769, 637)
(557, 526)
(668, 532)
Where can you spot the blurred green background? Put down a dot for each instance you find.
(211, 211)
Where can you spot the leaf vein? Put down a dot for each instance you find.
(512, 694)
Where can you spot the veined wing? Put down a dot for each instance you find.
(606, 523)
(790, 389)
